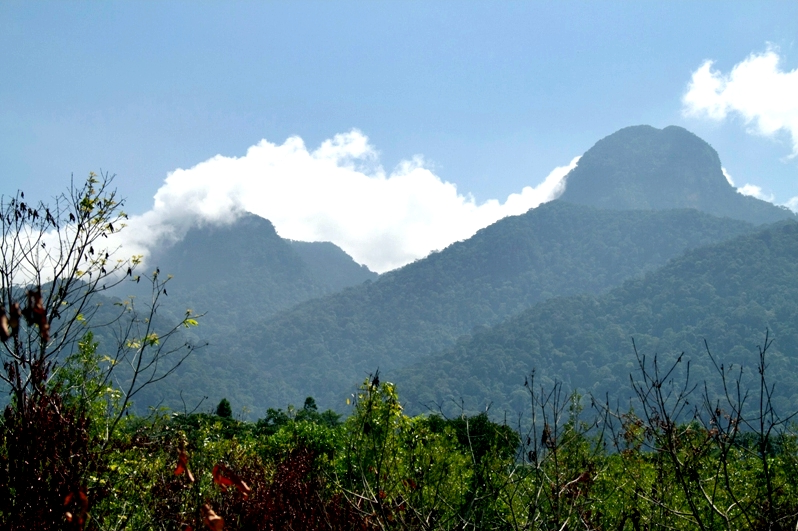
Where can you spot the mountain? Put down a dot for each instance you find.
(266, 352)
(642, 167)
(324, 346)
(245, 272)
(729, 294)
(329, 264)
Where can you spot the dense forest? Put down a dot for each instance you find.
(322, 346)
(727, 294)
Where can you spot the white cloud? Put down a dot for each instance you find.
(748, 188)
(728, 177)
(757, 89)
(337, 193)
(792, 204)
(756, 191)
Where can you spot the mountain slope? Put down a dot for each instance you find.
(324, 346)
(330, 265)
(641, 167)
(246, 272)
(728, 294)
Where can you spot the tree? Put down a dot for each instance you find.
(55, 260)
(715, 460)
(224, 410)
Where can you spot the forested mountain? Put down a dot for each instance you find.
(641, 167)
(324, 346)
(634, 202)
(728, 294)
(245, 272)
(330, 265)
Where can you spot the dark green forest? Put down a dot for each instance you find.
(727, 294)
(322, 346)
(562, 248)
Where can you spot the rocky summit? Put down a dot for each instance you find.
(644, 168)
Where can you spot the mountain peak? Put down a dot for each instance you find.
(644, 168)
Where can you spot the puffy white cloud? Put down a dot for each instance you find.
(749, 189)
(757, 89)
(756, 191)
(337, 192)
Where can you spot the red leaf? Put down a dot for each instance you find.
(83, 501)
(224, 477)
(182, 466)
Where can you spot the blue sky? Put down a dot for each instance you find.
(492, 95)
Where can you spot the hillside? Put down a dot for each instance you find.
(728, 294)
(641, 167)
(330, 265)
(324, 346)
(277, 335)
(246, 272)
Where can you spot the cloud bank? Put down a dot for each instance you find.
(337, 192)
(756, 89)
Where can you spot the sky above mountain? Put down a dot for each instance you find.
(389, 128)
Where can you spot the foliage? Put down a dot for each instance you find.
(46, 450)
(727, 292)
(223, 409)
(381, 469)
(321, 346)
(64, 400)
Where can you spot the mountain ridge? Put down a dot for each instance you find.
(728, 293)
(323, 346)
(244, 271)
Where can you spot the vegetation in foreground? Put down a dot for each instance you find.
(678, 461)
(381, 469)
